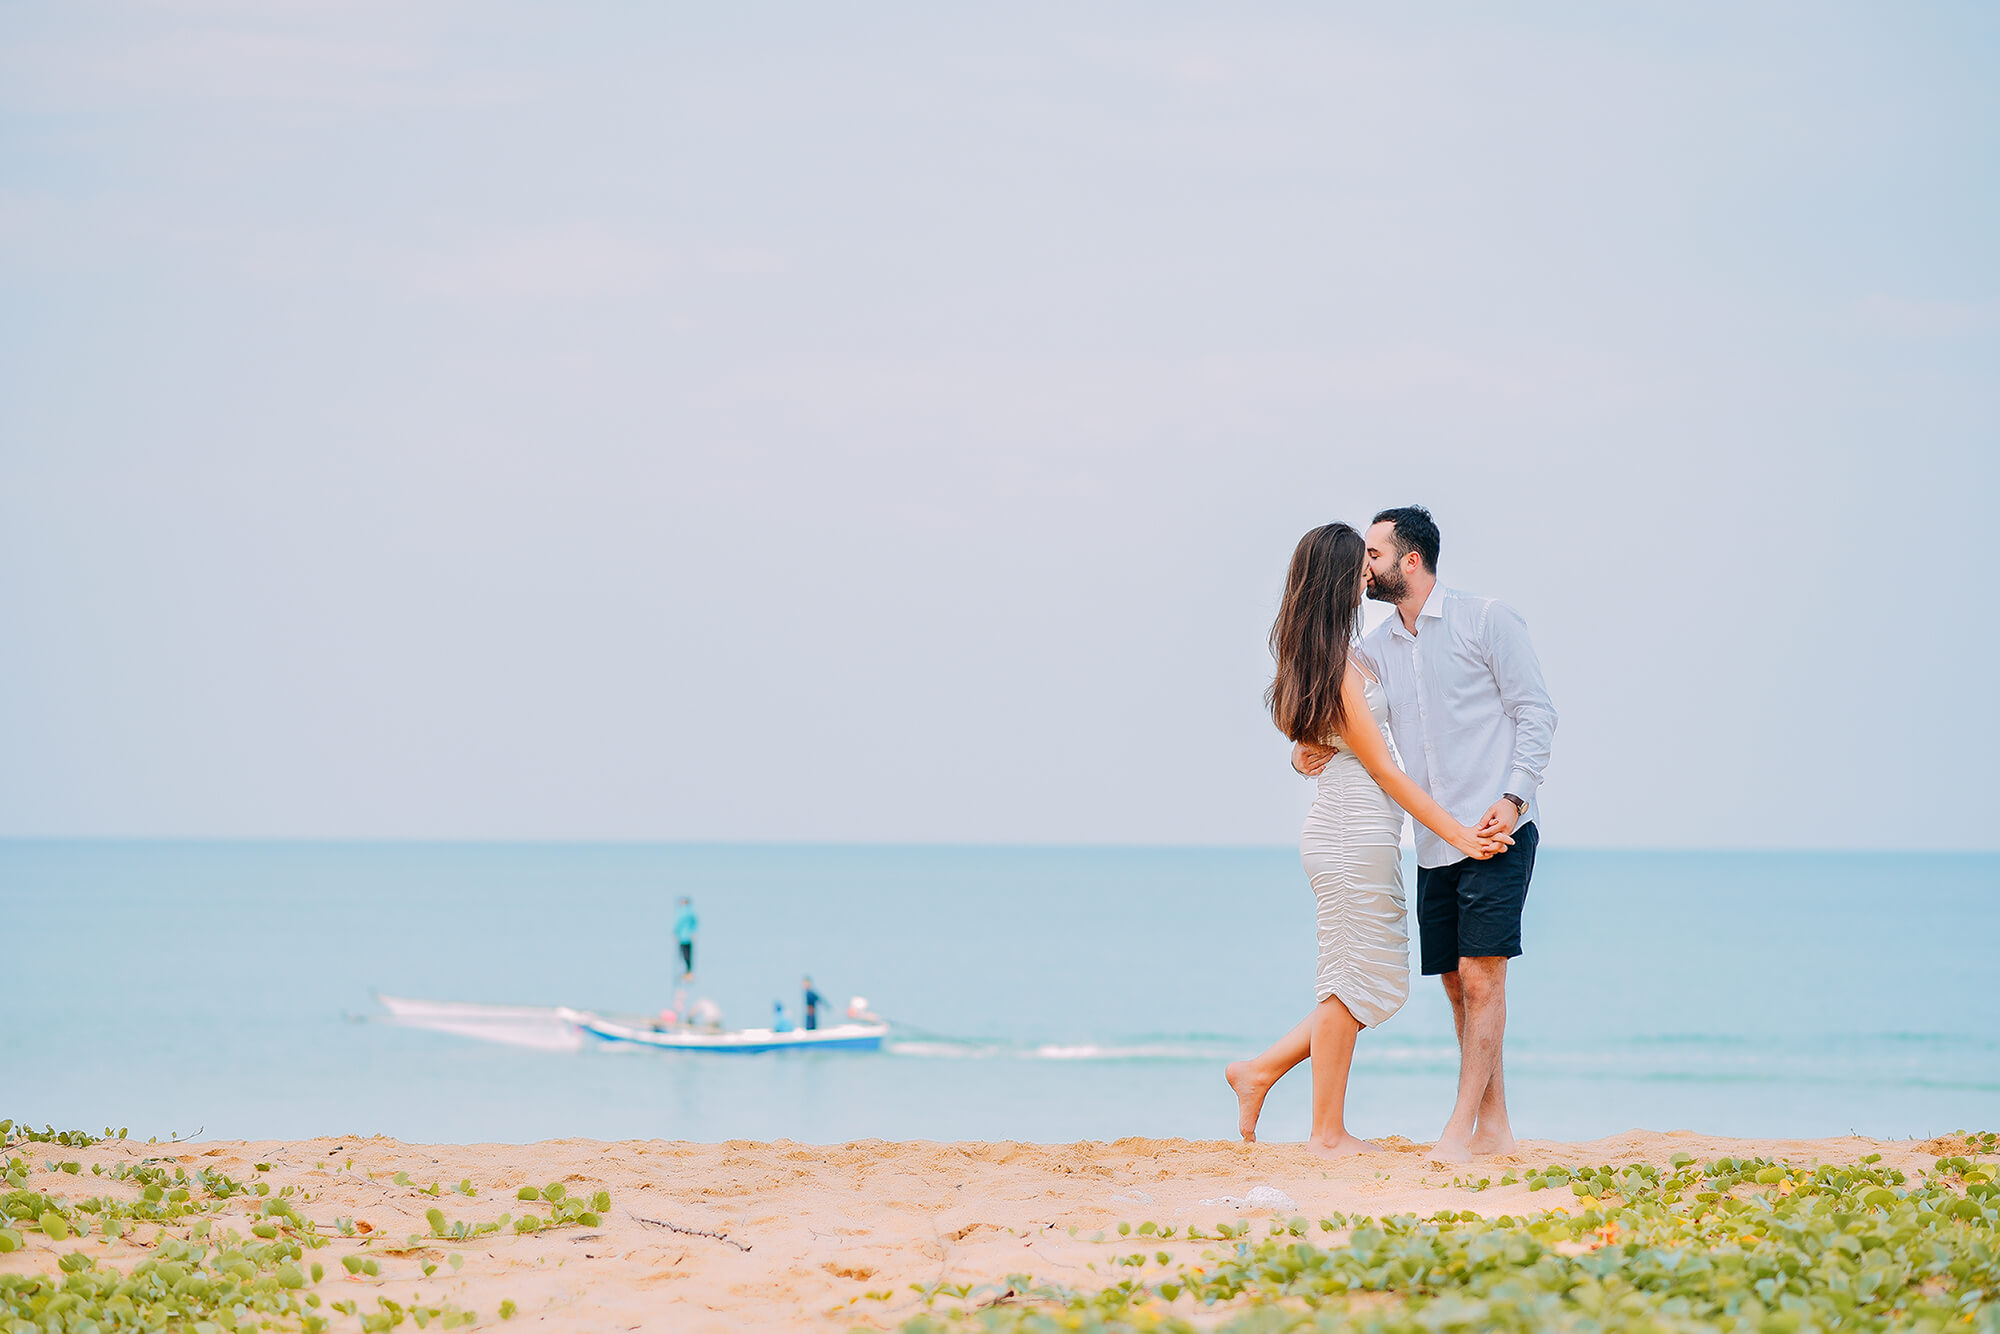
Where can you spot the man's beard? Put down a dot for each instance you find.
(1388, 587)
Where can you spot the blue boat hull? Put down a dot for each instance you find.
(742, 1042)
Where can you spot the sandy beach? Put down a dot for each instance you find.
(794, 1236)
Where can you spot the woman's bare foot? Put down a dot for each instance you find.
(1250, 1089)
(1493, 1142)
(1344, 1147)
(1451, 1149)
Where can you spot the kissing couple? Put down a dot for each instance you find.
(1453, 679)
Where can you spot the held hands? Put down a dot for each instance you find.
(1493, 835)
(1309, 758)
(1480, 846)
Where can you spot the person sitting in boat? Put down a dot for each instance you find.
(859, 1013)
(705, 1013)
(813, 1001)
(780, 1024)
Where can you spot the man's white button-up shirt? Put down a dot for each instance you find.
(1467, 707)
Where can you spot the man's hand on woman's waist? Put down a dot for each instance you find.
(1309, 759)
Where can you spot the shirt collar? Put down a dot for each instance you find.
(1433, 606)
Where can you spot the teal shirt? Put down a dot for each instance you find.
(684, 926)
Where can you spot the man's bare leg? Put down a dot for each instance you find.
(1334, 1029)
(1494, 1134)
(1253, 1078)
(1479, 995)
(1455, 993)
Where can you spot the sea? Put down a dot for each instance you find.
(228, 989)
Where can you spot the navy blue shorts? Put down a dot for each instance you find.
(1471, 909)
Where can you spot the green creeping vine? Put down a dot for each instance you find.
(1741, 1244)
(69, 1139)
(215, 1280)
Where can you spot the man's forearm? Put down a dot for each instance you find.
(1534, 739)
(1525, 699)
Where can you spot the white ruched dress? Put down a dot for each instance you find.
(1352, 847)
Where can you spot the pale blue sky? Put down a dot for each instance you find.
(892, 422)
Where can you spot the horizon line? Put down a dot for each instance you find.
(630, 841)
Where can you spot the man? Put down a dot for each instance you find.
(684, 929)
(1473, 726)
(813, 1000)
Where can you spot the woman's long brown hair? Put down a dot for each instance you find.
(1314, 628)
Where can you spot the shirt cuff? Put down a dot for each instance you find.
(1523, 785)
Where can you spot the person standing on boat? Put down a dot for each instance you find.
(813, 1001)
(684, 929)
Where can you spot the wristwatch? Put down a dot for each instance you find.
(1520, 806)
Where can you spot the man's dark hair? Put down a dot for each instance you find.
(1415, 531)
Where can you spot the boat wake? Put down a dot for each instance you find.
(544, 1029)
(1195, 1048)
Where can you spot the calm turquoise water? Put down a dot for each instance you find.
(1040, 994)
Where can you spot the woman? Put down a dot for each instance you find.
(1352, 842)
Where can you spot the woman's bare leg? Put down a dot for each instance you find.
(1253, 1078)
(1333, 1032)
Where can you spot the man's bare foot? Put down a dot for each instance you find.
(1250, 1089)
(1344, 1147)
(1452, 1149)
(1494, 1142)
